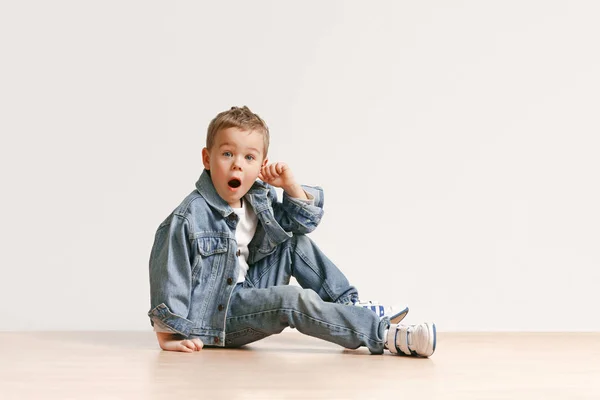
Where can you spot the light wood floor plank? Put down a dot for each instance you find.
(129, 365)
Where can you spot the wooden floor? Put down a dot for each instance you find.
(129, 365)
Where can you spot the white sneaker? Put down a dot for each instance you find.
(412, 340)
(395, 314)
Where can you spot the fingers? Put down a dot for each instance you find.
(264, 174)
(189, 346)
(183, 347)
(267, 173)
(198, 343)
(272, 171)
(186, 345)
(280, 168)
(192, 344)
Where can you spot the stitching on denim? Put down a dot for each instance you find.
(196, 268)
(162, 321)
(210, 234)
(184, 218)
(231, 337)
(267, 269)
(287, 243)
(212, 282)
(185, 209)
(305, 258)
(307, 316)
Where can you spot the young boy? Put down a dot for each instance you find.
(221, 262)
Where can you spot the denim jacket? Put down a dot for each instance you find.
(193, 263)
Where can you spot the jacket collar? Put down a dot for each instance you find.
(207, 190)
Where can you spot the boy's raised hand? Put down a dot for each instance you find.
(280, 175)
(277, 174)
(173, 342)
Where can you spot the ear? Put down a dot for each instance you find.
(265, 162)
(206, 159)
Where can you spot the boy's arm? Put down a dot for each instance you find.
(295, 191)
(302, 206)
(171, 276)
(298, 215)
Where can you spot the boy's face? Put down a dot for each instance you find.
(234, 162)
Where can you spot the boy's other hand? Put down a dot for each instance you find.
(174, 342)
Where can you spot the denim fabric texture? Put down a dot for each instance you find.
(194, 269)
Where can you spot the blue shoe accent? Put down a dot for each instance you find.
(399, 316)
(396, 342)
(383, 311)
(412, 352)
(434, 337)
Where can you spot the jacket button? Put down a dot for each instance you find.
(229, 281)
(238, 252)
(220, 308)
(216, 339)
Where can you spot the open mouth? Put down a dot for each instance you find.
(234, 183)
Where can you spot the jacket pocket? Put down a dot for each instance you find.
(211, 249)
(208, 246)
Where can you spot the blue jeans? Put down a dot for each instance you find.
(265, 304)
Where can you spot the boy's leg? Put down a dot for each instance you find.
(257, 313)
(266, 305)
(301, 258)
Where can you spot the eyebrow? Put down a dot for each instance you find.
(233, 145)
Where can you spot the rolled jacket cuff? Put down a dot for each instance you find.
(170, 322)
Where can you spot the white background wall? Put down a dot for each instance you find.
(457, 143)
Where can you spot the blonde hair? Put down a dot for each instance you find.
(237, 117)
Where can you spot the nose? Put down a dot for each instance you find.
(237, 164)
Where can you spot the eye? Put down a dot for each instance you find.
(227, 154)
(250, 157)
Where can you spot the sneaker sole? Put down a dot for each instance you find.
(432, 332)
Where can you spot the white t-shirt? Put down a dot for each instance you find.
(244, 233)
